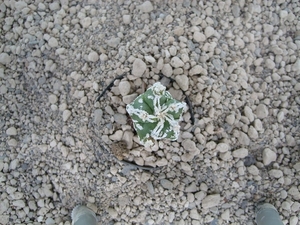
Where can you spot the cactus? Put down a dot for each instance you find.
(156, 115)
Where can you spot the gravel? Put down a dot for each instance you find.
(236, 63)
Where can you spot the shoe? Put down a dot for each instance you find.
(267, 214)
(82, 215)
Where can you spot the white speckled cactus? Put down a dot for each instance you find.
(156, 115)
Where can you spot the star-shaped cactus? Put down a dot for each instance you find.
(156, 115)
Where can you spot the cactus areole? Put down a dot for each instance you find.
(156, 115)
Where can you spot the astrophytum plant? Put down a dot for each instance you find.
(156, 115)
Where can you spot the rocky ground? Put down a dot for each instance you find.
(236, 61)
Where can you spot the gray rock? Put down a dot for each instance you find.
(240, 153)
(183, 82)
(4, 205)
(150, 187)
(138, 67)
(270, 64)
(295, 67)
(293, 191)
(191, 188)
(275, 173)
(93, 56)
(126, 19)
(248, 113)
(243, 138)
(98, 113)
(53, 43)
(86, 22)
(19, 203)
(167, 70)
(252, 133)
(209, 31)
(166, 184)
(11, 131)
(222, 147)
(235, 10)
(66, 115)
(124, 88)
(5, 59)
(199, 37)
(268, 156)
(226, 156)
(194, 214)
(211, 201)
(113, 42)
(176, 62)
(217, 64)
(297, 166)
(253, 170)
(262, 111)
(120, 118)
(53, 99)
(146, 7)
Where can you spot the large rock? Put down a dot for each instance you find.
(211, 201)
(138, 67)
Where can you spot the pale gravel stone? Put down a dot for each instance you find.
(293, 220)
(191, 188)
(199, 37)
(113, 42)
(66, 115)
(5, 59)
(226, 156)
(124, 88)
(11, 131)
(248, 113)
(98, 113)
(166, 184)
(280, 116)
(176, 62)
(126, 19)
(270, 64)
(209, 31)
(194, 214)
(230, 119)
(275, 173)
(167, 70)
(290, 140)
(222, 147)
(183, 82)
(258, 125)
(86, 22)
(297, 166)
(240, 153)
(262, 111)
(252, 133)
(196, 70)
(226, 215)
(253, 170)
(53, 99)
(293, 191)
(268, 156)
(146, 7)
(129, 98)
(138, 67)
(120, 118)
(93, 56)
(53, 43)
(211, 201)
(150, 59)
(19, 203)
(243, 138)
(295, 67)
